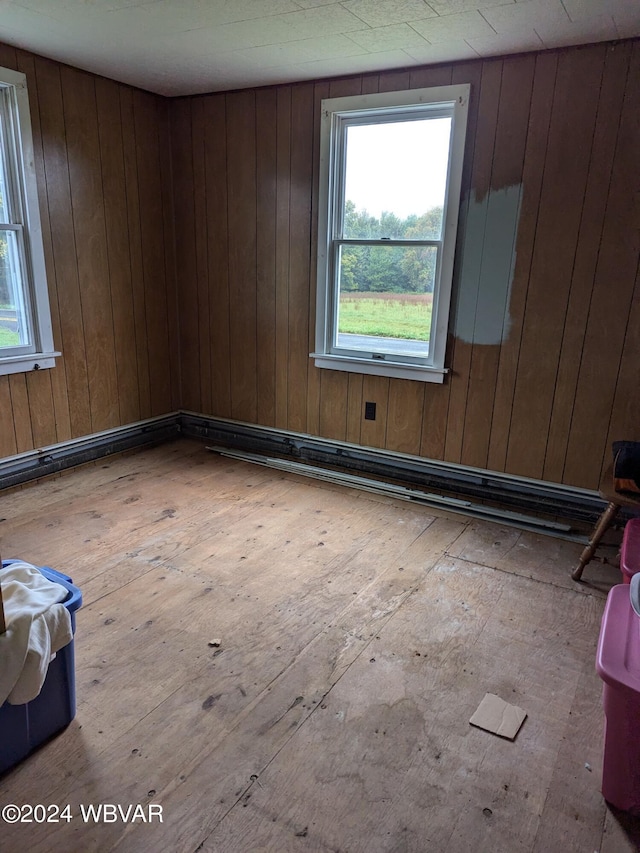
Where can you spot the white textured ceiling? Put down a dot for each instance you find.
(179, 47)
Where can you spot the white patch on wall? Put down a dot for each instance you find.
(486, 267)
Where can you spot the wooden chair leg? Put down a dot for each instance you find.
(604, 523)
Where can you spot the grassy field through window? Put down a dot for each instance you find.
(8, 338)
(386, 315)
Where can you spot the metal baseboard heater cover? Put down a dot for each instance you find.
(457, 487)
(476, 510)
(24, 467)
(455, 482)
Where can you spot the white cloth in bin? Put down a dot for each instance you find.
(38, 625)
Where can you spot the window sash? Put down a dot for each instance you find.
(28, 292)
(332, 344)
(10, 159)
(383, 241)
(14, 267)
(336, 116)
(341, 121)
(15, 262)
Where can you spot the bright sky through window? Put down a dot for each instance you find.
(414, 154)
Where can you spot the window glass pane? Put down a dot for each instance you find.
(385, 298)
(14, 329)
(395, 179)
(4, 213)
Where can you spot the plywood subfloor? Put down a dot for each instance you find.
(357, 636)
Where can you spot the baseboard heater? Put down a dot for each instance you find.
(475, 510)
(455, 484)
(503, 497)
(24, 467)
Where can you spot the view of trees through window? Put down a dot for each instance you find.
(387, 291)
(393, 269)
(394, 193)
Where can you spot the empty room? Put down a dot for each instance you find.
(319, 426)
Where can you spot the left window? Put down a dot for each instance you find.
(26, 339)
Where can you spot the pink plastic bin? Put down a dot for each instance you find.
(618, 665)
(630, 550)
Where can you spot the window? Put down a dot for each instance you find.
(26, 341)
(390, 173)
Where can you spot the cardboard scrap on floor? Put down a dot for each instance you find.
(499, 717)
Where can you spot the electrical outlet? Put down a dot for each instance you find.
(369, 411)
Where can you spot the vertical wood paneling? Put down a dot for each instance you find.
(300, 240)
(217, 229)
(40, 398)
(8, 56)
(8, 445)
(394, 81)
(593, 214)
(434, 419)
(147, 132)
(87, 150)
(533, 172)
(135, 249)
(85, 180)
(355, 408)
(21, 414)
(115, 209)
(625, 415)
(50, 413)
(422, 78)
(495, 265)
(266, 188)
(321, 91)
(169, 242)
(404, 419)
(436, 397)
(406, 406)
(370, 84)
(231, 212)
(611, 302)
(283, 167)
(63, 241)
(534, 206)
(334, 385)
(241, 184)
(333, 411)
(566, 169)
(184, 195)
(469, 256)
(201, 248)
(375, 389)
(334, 395)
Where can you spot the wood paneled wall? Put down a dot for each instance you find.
(545, 330)
(103, 169)
(545, 343)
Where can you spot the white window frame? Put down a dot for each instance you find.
(24, 222)
(336, 115)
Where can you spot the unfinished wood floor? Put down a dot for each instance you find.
(358, 635)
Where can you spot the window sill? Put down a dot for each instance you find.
(27, 363)
(394, 369)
